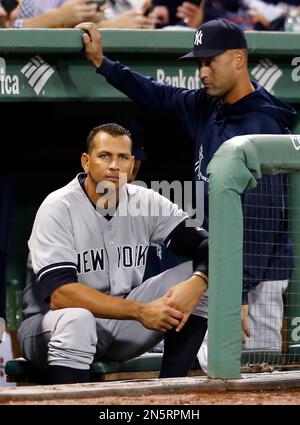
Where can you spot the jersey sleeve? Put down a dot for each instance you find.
(166, 216)
(51, 246)
(190, 241)
(179, 103)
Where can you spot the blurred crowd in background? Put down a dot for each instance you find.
(261, 15)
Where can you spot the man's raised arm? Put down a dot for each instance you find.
(176, 102)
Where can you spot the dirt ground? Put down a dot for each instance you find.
(281, 397)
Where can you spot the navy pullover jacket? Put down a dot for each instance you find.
(209, 123)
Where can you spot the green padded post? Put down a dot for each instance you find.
(235, 167)
(228, 178)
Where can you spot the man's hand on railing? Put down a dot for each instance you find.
(92, 43)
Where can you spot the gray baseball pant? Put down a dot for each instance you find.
(73, 337)
(265, 315)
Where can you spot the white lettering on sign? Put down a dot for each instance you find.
(9, 84)
(179, 80)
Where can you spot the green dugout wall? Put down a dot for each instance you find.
(235, 167)
(48, 65)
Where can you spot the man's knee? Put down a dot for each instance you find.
(78, 322)
(73, 341)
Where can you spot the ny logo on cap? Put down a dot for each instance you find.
(198, 38)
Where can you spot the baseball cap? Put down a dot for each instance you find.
(215, 37)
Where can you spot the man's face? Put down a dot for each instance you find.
(219, 74)
(109, 156)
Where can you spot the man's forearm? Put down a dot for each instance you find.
(101, 305)
(49, 19)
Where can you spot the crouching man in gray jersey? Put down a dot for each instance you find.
(88, 248)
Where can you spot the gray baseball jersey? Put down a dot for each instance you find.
(110, 256)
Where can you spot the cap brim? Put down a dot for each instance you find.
(205, 53)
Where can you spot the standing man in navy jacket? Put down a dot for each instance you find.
(228, 105)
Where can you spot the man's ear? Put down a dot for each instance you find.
(85, 162)
(240, 57)
(132, 164)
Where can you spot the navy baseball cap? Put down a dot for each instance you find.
(215, 37)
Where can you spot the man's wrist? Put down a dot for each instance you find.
(138, 311)
(98, 63)
(202, 275)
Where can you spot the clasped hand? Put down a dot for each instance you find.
(185, 297)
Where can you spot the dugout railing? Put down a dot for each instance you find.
(236, 167)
